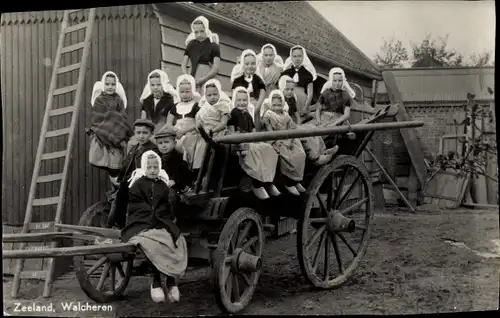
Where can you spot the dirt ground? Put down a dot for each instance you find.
(428, 262)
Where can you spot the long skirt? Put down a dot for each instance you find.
(301, 100)
(260, 161)
(292, 160)
(159, 248)
(201, 71)
(313, 146)
(101, 157)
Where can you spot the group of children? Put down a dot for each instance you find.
(162, 153)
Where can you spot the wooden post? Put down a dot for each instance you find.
(413, 187)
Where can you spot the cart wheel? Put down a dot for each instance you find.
(103, 278)
(237, 260)
(338, 213)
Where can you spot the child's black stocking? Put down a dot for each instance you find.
(171, 282)
(156, 277)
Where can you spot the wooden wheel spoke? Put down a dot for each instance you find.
(349, 191)
(236, 289)
(317, 254)
(243, 234)
(250, 242)
(112, 272)
(354, 206)
(119, 268)
(96, 265)
(324, 208)
(337, 253)
(331, 189)
(103, 277)
(315, 237)
(360, 227)
(229, 284)
(232, 241)
(340, 185)
(317, 220)
(327, 259)
(347, 243)
(246, 279)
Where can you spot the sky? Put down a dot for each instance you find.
(470, 24)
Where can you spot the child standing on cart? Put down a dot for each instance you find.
(143, 131)
(109, 129)
(150, 225)
(292, 157)
(257, 159)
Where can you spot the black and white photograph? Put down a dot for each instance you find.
(249, 158)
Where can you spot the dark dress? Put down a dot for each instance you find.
(158, 113)
(334, 100)
(149, 208)
(305, 77)
(241, 120)
(292, 106)
(177, 169)
(257, 84)
(203, 52)
(191, 114)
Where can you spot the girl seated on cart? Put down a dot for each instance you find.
(334, 104)
(292, 156)
(314, 147)
(181, 119)
(269, 66)
(257, 159)
(150, 225)
(109, 129)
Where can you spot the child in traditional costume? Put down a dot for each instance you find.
(269, 66)
(202, 49)
(143, 131)
(182, 119)
(314, 147)
(257, 159)
(292, 156)
(301, 70)
(171, 160)
(150, 225)
(334, 104)
(109, 129)
(243, 74)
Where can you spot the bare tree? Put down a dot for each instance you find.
(392, 54)
(435, 53)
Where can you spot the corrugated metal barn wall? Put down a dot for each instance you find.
(125, 40)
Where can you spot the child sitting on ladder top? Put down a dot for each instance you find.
(334, 104)
(257, 159)
(302, 71)
(243, 74)
(150, 226)
(181, 119)
(202, 49)
(292, 156)
(109, 129)
(269, 66)
(314, 147)
(143, 131)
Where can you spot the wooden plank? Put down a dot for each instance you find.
(409, 135)
(72, 48)
(40, 225)
(65, 90)
(109, 233)
(69, 68)
(54, 155)
(62, 111)
(46, 201)
(50, 178)
(412, 187)
(33, 237)
(41, 275)
(59, 132)
(71, 251)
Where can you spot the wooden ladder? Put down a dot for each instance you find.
(47, 273)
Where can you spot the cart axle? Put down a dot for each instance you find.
(336, 222)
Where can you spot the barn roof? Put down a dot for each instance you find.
(294, 22)
(420, 85)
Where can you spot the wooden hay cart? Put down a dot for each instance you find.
(222, 221)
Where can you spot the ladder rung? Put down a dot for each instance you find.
(59, 132)
(69, 68)
(41, 225)
(50, 178)
(65, 90)
(73, 47)
(33, 274)
(46, 201)
(76, 27)
(62, 111)
(54, 155)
